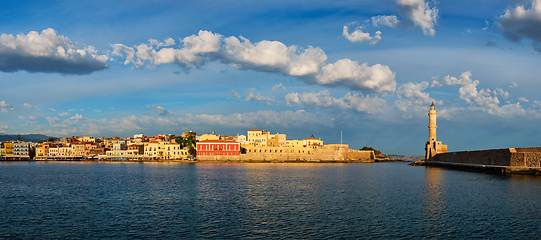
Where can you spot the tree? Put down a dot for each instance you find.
(19, 137)
(371, 149)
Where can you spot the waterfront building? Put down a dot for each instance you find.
(136, 149)
(43, 150)
(21, 148)
(79, 149)
(256, 137)
(151, 149)
(218, 147)
(65, 151)
(53, 151)
(312, 142)
(2, 149)
(8, 148)
(432, 146)
(99, 151)
(174, 151)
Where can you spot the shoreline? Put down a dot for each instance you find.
(218, 161)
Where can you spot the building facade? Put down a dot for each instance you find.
(218, 148)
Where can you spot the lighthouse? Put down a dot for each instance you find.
(432, 123)
(432, 146)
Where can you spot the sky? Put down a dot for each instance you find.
(361, 72)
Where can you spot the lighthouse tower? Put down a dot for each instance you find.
(432, 146)
(432, 123)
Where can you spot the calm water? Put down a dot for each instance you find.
(168, 200)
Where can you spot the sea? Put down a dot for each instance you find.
(125, 200)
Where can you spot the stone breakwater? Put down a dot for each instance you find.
(506, 160)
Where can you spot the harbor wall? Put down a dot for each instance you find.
(514, 157)
(328, 153)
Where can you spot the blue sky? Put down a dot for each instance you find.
(369, 69)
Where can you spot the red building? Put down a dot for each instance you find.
(218, 147)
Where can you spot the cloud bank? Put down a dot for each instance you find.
(306, 64)
(47, 52)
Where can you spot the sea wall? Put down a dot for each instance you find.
(514, 157)
(328, 153)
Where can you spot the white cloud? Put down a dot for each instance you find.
(252, 97)
(359, 36)
(32, 118)
(523, 99)
(63, 114)
(235, 94)
(349, 73)
(52, 109)
(484, 98)
(21, 117)
(161, 111)
(522, 22)
(77, 117)
(273, 56)
(5, 106)
(98, 111)
(307, 64)
(28, 105)
(354, 102)
(420, 13)
(414, 91)
(383, 20)
(52, 120)
(5, 128)
(47, 52)
(278, 87)
(292, 99)
(195, 51)
(167, 42)
(513, 85)
(501, 92)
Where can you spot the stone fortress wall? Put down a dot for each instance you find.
(329, 152)
(513, 157)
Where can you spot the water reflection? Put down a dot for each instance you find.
(435, 211)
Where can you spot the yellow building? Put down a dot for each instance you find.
(9, 148)
(211, 136)
(79, 149)
(256, 137)
(174, 151)
(312, 142)
(43, 150)
(294, 143)
(151, 149)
